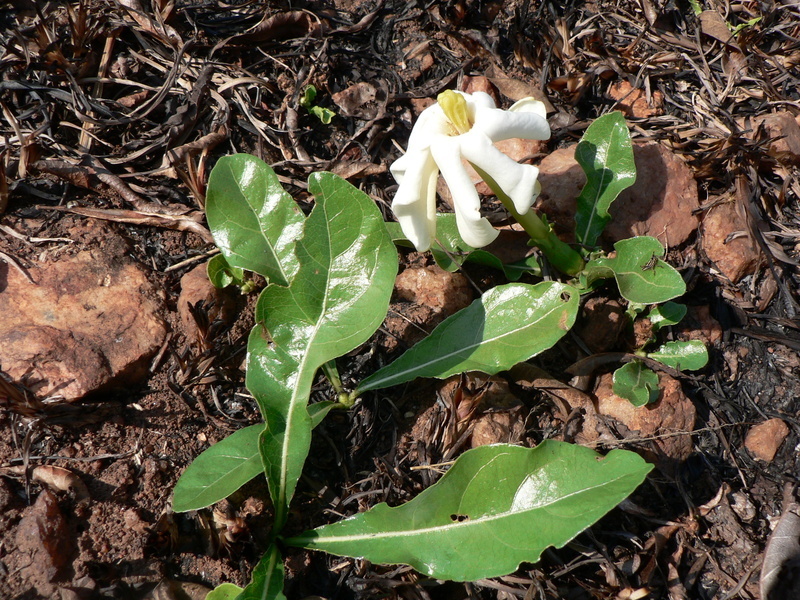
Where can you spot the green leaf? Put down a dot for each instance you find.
(224, 591)
(508, 324)
(450, 252)
(255, 223)
(497, 506)
(666, 315)
(221, 274)
(307, 101)
(636, 383)
(308, 97)
(606, 156)
(227, 465)
(219, 471)
(319, 410)
(337, 300)
(683, 356)
(594, 274)
(266, 582)
(323, 114)
(642, 277)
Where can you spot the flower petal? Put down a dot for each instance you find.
(431, 121)
(502, 124)
(474, 229)
(479, 99)
(518, 181)
(529, 104)
(414, 204)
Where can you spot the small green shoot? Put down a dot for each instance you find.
(307, 101)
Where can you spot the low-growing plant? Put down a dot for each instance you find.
(330, 277)
(307, 101)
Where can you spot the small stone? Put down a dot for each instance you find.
(764, 439)
(662, 202)
(90, 321)
(736, 258)
(633, 102)
(700, 325)
(670, 420)
(426, 62)
(435, 288)
(42, 534)
(498, 427)
(133, 522)
(743, 506)
(479, 83)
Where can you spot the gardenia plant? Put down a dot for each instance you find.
(330, 280)
(463, 127)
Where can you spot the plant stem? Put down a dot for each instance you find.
(332, 373)
(561, 255)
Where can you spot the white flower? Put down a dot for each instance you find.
(463, 126)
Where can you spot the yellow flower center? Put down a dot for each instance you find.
(455, 109)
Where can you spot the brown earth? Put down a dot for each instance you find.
(119, 365)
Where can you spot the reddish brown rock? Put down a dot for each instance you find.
(90, 321)
(217, 304)
(764, 439)
(661, 203)
(498, 427)
(700, 325)
(634, 103)
(487, 404)
(426, 297)
(668, 421)
(737, 257)
(43, 537)
(479, 83)
(434, 287)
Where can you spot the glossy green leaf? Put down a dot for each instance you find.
(221, 274)
(641, 275)
(307, 101)
(683, 356)
(219, 471)
(508, 324)
(337, 300)
(497, 506)
(308, 96)
(450, 252)
(266, 583)
(606, 156)
(227, 465)
(319, 410)
(255, 223)
(325, 115)
(636, 383)
(224, 591)
(666, 315)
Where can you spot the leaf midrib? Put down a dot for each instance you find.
(303, 363)
(381, 383)
(480, 521)
(260, 231)
(596, 200)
